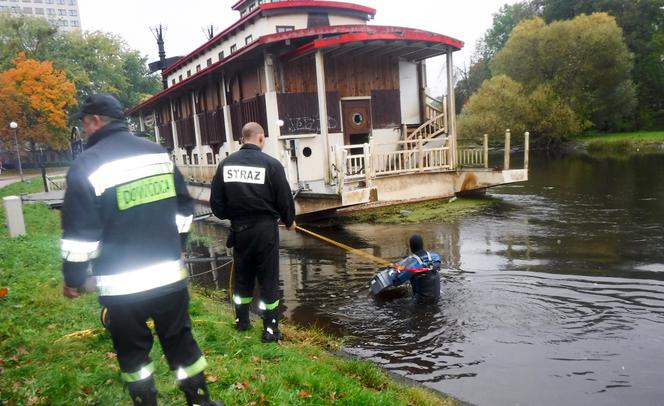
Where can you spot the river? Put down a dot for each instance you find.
(555, 295)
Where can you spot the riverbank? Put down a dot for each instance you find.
(53, 350)
(621, 143)
(421, 212)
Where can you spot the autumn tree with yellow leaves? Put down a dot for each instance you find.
(36, 96)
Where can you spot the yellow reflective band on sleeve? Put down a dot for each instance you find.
(146, 190)
(192, 370)
(129, 169)
(183, 222)
(143, 373)
(78, 251)
(141, 280)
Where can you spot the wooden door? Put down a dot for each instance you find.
(356, 120)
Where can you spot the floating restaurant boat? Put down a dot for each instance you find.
(344, 105)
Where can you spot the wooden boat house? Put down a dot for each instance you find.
(343, 102)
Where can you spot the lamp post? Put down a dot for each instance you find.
(14, 126)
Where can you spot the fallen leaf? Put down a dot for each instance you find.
(3, 292)
(303, 394)
(52, 326)
(33, 401)
(314, 358)
(110, 355)
(21, 350)
(240, 386)
(109, 381)
(212, 378)
(255, 360)
(251, 404)
(87, 390)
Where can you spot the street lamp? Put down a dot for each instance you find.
(14, 126)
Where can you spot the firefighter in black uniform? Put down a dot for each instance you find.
(126, 213)
(250, 189)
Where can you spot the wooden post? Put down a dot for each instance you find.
(420, 155)
(526, 149)
(14, 214)
(486, 150)
(451, 110)
(508, 147)
(404, 132)
(322, 112)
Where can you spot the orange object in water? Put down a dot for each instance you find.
(3, 292)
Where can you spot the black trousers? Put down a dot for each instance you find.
(256, 255)
(133, 339)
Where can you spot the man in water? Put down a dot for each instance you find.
(421, 269)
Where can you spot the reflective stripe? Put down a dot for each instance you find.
(418, 259)
(140, 280)
(242, 300)
(192, 370)
(128, 169)
(270, 306)
(143, 373)
(183, 222)
(78, 251)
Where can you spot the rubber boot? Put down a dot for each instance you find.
(143, 393)
(271, 332)
(196, 392)
(242, 321)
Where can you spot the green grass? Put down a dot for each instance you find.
(622, 143)
(32, 185)
(440, 210)
(53, 351)
(646, 136)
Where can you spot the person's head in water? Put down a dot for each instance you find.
(416, 243)
(253, 133)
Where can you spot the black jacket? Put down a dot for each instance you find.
(249, 186)
(123, 210)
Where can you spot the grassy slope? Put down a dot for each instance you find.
(650, 136)
(41, 362)
(428, 211)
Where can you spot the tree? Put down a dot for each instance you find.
(32, 36)
(499, 104)
(585, 61)
(503, 103)
(643, 26)
(93, 61)
(504, 21)
(36, 96)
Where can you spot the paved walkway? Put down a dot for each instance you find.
(8, 180)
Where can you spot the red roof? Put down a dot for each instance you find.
(260, 9)
(358, 33)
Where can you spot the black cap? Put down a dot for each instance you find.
(101, 104)
(416, 243)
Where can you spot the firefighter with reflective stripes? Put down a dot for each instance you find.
(125, 216)
(250, 189)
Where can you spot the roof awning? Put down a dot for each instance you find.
(412, 45)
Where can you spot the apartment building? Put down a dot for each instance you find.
(63, 14)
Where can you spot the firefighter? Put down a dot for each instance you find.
(421, 269)
(125, 216)
(250, 189)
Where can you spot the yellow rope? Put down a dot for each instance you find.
(378, 260)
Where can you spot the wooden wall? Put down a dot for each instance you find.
(351, 74)
(385, 108)
(300, 112)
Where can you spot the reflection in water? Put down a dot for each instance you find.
(555, 295)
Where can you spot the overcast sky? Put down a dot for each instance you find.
(185, 22)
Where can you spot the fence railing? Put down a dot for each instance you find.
(198, 173)
(56, 182)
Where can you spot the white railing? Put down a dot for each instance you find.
(198, 173)
(56, 182)
(390, 158)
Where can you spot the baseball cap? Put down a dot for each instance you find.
(101, 104)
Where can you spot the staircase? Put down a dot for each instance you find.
(436, 122)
